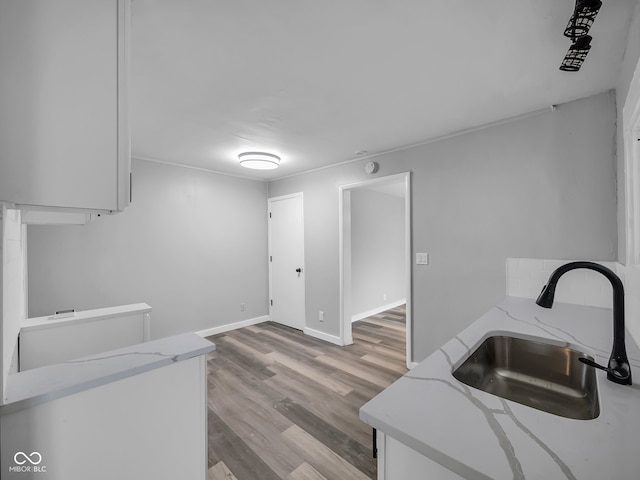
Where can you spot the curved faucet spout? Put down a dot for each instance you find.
(619, 370)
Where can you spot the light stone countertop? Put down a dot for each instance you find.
(38, 385)
(50, 321)
(480, 436)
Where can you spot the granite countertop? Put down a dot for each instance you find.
(479, 435)
(32, 387)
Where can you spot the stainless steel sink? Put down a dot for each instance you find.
(534, 373)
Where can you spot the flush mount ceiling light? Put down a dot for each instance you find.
(583, 16)
(576, 55)
(259, 160)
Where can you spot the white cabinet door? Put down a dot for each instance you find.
(396, 461)
(64, 138)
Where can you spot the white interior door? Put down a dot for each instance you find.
(286, 260)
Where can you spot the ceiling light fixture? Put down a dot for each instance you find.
(576, 55)
(577, 29)
(259, 160)
(583, 16)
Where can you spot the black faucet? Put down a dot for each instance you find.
(619, 370)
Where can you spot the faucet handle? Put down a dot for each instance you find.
(617, 372)
(591, 363)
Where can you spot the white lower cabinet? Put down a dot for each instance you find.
(151, 425)
(396, 461)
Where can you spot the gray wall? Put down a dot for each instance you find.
(542, 187)
(377, 250)
(192, 245)
(629, 63)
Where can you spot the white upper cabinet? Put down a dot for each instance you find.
(64, 132)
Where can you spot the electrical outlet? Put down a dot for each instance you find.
(321, 316)
(242, 307)
(384, 297)
(422, 259)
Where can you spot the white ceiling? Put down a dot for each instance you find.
(315, 81)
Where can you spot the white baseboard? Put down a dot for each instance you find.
(323, 336)
(233, 326)
(375, 311)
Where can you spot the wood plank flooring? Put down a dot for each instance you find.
(284, 405)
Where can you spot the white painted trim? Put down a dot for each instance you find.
(344, 260)
(446, 136)
(233, 326)
(146, 326)
(286, 197)
(381, 445)
(631, 133)
(439, 138)
(123, 165)
(375, 311)
(204, 392)
(200, 169)
(344, 246)
(374, 181)
(25, 269)
(413, 365)
(31, 216)
(631, 142)
(323, 336)
(84, 316)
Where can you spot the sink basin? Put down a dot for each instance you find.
(534, 373)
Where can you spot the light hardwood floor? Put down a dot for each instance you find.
(283, 405)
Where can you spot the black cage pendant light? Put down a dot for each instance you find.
(577, 53)
(577, 30)
(583, 16)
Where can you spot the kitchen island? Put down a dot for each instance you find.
(430, 425)
(135, 412)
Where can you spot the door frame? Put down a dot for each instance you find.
(631, 137)
(631, 143)
(344, 201)
(270, 200)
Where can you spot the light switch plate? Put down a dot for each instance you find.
(422, 259)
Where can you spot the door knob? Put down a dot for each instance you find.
(299, 270)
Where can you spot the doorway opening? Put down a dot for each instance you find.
(363, 291)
